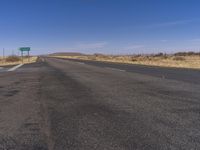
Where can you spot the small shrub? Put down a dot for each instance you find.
(159, 55)
(12, 59)
(138, 55)
(179, 58)
(164, 57)
(149, 58)
(190, 53)
(133, 59)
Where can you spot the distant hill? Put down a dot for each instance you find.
(67, 54)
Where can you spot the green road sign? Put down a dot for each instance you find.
(25, 49)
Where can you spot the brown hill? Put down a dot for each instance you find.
(67, 54)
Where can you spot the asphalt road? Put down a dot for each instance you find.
(5, 68)
(186, 75)
(58, 104)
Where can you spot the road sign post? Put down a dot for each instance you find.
(25, 49)
(3, 55)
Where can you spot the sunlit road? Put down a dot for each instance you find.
(58, 104)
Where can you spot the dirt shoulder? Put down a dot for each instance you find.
(16, 62)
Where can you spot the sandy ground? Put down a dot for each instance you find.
(25, 61)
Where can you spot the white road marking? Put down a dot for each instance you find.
(115, 69)
(15, 67)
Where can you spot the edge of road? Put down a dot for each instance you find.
(179, 74)
(15, 68)
(127, 64)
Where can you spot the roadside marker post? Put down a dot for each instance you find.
(3, 55)
(25, 49)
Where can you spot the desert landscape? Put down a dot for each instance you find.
(100, 75)
(14, 60)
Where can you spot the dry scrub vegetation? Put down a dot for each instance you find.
(179, 60)
(14, 60)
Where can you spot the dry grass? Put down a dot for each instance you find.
(191, 61)
(16, 60)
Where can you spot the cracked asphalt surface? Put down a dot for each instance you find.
(58, 104)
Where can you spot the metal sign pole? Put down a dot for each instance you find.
(22, 56)
(25, 49)
(28, 57)
(3, 55)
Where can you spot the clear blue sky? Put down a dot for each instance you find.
(104, 26)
